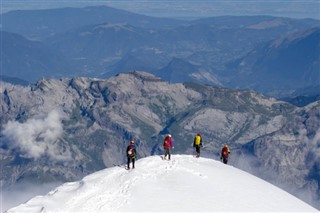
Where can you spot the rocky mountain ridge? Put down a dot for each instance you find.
(64, 129)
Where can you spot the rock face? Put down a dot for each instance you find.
(65, 129)
(290, 156)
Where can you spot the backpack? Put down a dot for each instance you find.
(166, 142)
(225, 152)
(197, 140)
(131, 151)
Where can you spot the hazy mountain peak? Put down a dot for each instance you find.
(144, 76)
(272, 23)
(114, 26)
(296, 37)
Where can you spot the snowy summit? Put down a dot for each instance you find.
(184, 184)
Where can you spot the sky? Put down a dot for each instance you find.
(184, 184)
(184, 8)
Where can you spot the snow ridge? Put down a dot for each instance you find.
(183, 184)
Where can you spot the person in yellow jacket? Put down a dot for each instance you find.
(197, 143)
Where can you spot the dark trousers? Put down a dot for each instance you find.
(225, 160)
(197, 150)
(130, 159)
(167, 151)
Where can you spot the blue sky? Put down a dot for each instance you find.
(185, 8)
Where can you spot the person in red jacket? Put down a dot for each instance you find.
(131, 154)
(167, 146)
(225, 152)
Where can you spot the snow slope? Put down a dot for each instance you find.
(184, 184)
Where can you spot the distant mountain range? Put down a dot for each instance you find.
(68, 128)
(31, 60)
(41, 24)
(273, 53)
(304, 97)
(289, 62)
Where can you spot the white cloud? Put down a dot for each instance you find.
(22, 192)
(38, 137)
(315, 142)
(312, 143)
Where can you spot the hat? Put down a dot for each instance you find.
(132, 141)
(199, 133)
(169, 135)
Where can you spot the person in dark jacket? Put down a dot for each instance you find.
(131, 154)
(225, 152)
(167, 146)
(197, 143)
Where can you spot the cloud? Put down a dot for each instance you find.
(38, 137)
(22, 192)
(315, 142)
